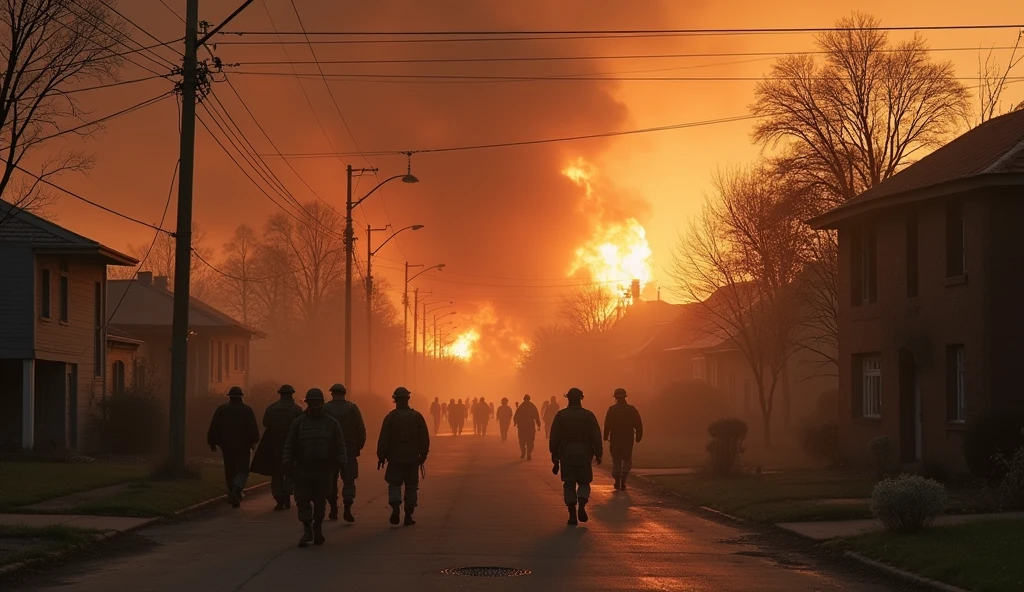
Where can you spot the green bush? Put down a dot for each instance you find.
(989, 437)
(131, 423)
(821, 441)
(881, 448)
(907, 503)
(726, 444)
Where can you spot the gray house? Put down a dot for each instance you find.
(52, 331)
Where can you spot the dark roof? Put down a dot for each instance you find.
(20, 227)
(140, 303)
(639, 324)
(991, 153)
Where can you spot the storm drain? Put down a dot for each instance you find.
(486, 572)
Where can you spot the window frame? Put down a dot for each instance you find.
(870, 373)
(700, 363)
(45, 294)
(64, 303)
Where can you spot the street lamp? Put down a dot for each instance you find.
(436, 317)
(415, 312)
(425, 313)
(370, 252)
(349, 238)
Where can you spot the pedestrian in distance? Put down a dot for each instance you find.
(550, 409)
(444, 411)
(234, 429)
(527, 421)
(435, 412)
(347, 414)
(403, 446)
(460, 416)
(474, 410)
(484, 412)
(277, 420)
(504, 415)
(453, 411)
(313, 451)
(622, 426)
(575, 444)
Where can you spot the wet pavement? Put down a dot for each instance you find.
(481, 506)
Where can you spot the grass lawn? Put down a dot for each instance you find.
(980, 556)
(26, 483)
(779, 497)
(21, 543)
(669, 453)
(152, 498)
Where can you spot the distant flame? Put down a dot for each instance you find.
(464, 345)
(617, 252)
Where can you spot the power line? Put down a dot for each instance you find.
(116, 35)
(172, 11)
(147, 33)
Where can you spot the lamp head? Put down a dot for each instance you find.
(410, 178)
(440, 266)
(415, 227)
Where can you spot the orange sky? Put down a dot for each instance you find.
(494, 214)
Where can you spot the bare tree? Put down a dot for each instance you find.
(158, 257)
(241, 269)
(315, 248)
(992, 80)
(741, 260)
(588, 309)
(273, 293)
(49, 47)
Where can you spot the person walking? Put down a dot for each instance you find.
(460, 416)
(313, 451)
(575, 444)
(234, 429)
(453, 412)
(622, 426)
(550, 409)
(277, 420)
(504, 416)
(351, 420)
(403, 446)
(527, 420)
(435, 412)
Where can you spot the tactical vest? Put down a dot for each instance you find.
(280, 415)
(315, 440)
(345, 413)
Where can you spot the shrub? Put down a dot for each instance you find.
(726, 444)
(821, 441)
(131, 423)
(1011, 488)
(989, 437)
(881, 450)
(907, 503)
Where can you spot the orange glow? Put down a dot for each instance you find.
(464, 345)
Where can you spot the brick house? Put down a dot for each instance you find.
(929, 297)
(52, 332)
(218, 348)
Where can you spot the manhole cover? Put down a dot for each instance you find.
(486, 572)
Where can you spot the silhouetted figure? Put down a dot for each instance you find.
(314, 451)
(460, 417)
(277, 420)
(444, 411)
(234, 429)
(549, 411)
(527, 420)
(575, 444)
(435, 412)
(491, 405)
(350, 418)
(481, 416)
(474, 411)
(504, 415)
(403, 445)
(622, 426)
(453, 412)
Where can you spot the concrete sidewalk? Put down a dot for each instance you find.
(100, 523)
(823, 531)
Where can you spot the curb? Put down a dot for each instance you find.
(906, 575)
(8, 570)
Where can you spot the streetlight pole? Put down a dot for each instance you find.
(405, 304)
(370, 252)
(349, 239)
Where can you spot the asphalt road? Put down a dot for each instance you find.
(480, 506)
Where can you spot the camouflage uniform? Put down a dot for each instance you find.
(574, 444)
(233, 428)
(351, 420)
(403, 444)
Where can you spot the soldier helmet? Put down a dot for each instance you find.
(504, 400)
(401, 393)
(339, 388)
(574, 394)
(286, 389)
(314, 394)
(526, 398)
(620, 393)
(235, 391)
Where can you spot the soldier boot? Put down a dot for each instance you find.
(618, 483)
(307, 533)
(583, 510)
(334, 509)
(622, 481)
(572, 515)
(279, 506)
(408, 518)
(318, 532)
(348, 512)
(396, 510)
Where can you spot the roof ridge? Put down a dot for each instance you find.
(45, 225)
(1009, 155)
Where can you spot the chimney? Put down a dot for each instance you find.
(634, 290)
(145, 277)
(160, 281)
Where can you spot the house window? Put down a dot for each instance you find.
(732, 390)
(747, 395)
(65, 286)
(700, 369)
(213, 361)
(98, 344)
(870, 385)
(44, 292)
(245, 360)
(864, 267)
(220, 363)
(227, 359)
(117, 382)
(912, 250)
(956, 252)
(957, 392)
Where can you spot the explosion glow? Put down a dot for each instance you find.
(464, 345)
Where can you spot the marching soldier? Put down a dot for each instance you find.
(403, 445)
(549, 411)
(575, 443)
(351, 420)
(435, 413)
(313, 450)
(234, 429)
(621, 426)
(277, 419)
(504, 415)
(527, 420)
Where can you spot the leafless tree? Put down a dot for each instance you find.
(741, 260)
(273, 291)
(315, 248)
(49, 47)
(241, 273)
(158, 257)
(588, 309)
(992, 79)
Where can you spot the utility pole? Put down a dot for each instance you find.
(183, 244)
(369, 310)
(415, 320)
(405, 326)
(348, 276)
